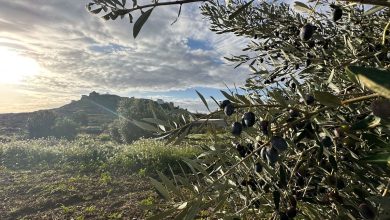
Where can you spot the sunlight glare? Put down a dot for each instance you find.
(15, 67)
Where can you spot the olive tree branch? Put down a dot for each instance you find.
(369, 2)
(157, 4)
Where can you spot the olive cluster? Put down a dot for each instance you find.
(248, 119)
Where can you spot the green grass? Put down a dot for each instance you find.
(87, 154)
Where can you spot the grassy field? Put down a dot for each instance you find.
(83, 179)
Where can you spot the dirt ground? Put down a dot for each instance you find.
(53, 194)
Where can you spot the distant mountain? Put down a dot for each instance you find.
(100, 110)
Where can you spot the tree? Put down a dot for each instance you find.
(65, 128)
(313, 135)
(39, 124)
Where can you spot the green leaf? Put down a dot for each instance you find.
(160, 188)
(97, 11)
(373, 10)
(327, 99)
(239, 10)
(373, 139)
(231, 98)
(278, 96)
(373, 78)
(299, 6)
(140, 22)
(144, 126)
(368, 122)
(162, 215)
(169, 184)
(378, 158)
(203, 100)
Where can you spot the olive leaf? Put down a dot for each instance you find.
(378, 158)
(203, 100)
(327, 99)
(302, 7)
(140, 22)
(373, 78)
(239, 10)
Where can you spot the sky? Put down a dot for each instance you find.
(52, 52)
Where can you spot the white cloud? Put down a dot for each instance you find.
(81, 52)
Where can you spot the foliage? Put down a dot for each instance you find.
(314, 89)
(65, 128)
(81, 118)
(113, 129)
(40, 124)
(87, 154)
(142, 118)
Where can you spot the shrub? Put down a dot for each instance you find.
(65, 128)
(40, 124)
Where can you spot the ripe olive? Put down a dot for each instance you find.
(229, 110)
(236, 128)
(293, 201)
(326, 141)
(293, 113)
(311, 44)
(224, 103)
(366, 211)
(279, 143)
(264, 127)
(241, 150)
(337, 14)
(291, 212)
(308, 62)
(283, 216)
(249, 119)
(258, 167)
(307, 32)
(309, 99)
(272, 155)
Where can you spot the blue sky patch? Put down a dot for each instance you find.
(199, 44)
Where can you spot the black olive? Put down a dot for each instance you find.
(249, 119)
(293, 85)
(366, 211)
(311, 44)
(241, 150)
(283, 216)
(258, 167)
(309, 99)
(264, 127)
(229, 110)
(326, 141)
(293, 113)
(337, 14)
(279, 143)
(224, 103)
(236, 128)
(307, 32)
(291, 212)
(272, 155)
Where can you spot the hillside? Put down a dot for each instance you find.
(99, 109)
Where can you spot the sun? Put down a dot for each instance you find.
(14, 67)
